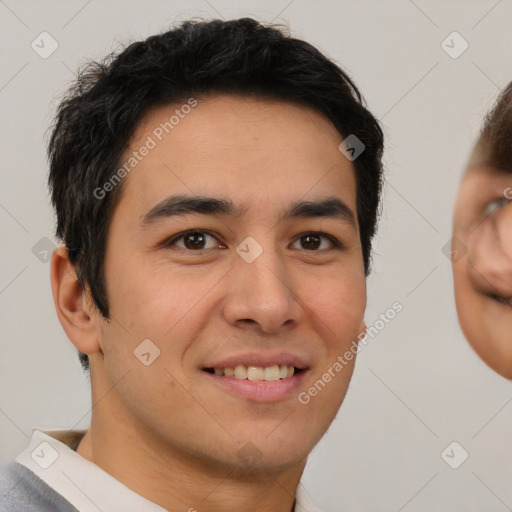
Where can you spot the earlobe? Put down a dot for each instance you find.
(72, 305)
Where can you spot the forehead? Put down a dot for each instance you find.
(481, 162)
(482, 174)
(251, 149)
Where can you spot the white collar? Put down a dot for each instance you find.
(51, 456)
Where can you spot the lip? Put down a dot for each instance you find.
(258, 359)
(260, 390)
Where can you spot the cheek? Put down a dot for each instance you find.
(463, 210)
(468, 302)
(460, 276)
(483, 323)
(489, 262)
(465, 298)
(340, 304)
(151, 300)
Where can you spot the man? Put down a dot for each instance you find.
(217, 190)
(482, 241)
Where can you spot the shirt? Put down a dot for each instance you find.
(50, 476)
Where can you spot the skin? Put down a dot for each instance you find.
(482, 270)
(163, 430)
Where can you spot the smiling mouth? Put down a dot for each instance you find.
(254, 373)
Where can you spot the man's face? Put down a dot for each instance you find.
(482, 268)
(210, 301)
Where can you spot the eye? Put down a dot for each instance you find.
(502, 300)
(496, 204)
(312, 241)
(195, 240)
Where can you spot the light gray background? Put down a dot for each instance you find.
(417, 386)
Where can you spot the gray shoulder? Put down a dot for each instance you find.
(21, 490)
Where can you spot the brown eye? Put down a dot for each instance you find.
(193, 241)
(312, 241)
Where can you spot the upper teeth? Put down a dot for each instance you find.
(241, 371)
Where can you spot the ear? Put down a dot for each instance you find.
(75, 310)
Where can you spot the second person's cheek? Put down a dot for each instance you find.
(504, 229)
(489, 261)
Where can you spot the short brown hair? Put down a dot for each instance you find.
(494, 147)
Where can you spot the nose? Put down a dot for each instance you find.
(262, 295)
(490, 254)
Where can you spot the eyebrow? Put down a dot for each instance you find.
(180, 205)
